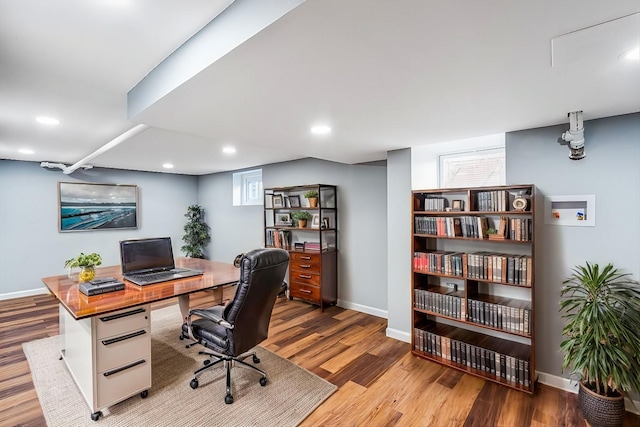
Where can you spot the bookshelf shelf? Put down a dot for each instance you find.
(473, 296)
(313, 249)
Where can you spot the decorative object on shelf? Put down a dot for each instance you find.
(315, 221)
(520, 203)
(278, 201)
(302, 217)
(294, 201)
(457, 205)
(312, 196)
(602, 308)
(325, 222)
(112, 206)
(86, 264)
(197, 232)
(283, 219)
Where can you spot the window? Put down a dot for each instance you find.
(247, 188)
(479, 168)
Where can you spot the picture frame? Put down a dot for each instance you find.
(89, 207)
(283, 219)
(325, 222)
(457, 205)
(315, 221)
(278, 201)
(294, 201)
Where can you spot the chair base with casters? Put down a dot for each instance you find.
(229, 362)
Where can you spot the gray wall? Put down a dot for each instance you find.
(362, 238)
(610, 171)
(31, 247)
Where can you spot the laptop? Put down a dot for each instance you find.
(148, 261)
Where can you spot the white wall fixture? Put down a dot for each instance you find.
(577, 211)
(575, 135)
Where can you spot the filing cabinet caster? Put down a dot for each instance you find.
(144, 394)
(96, 415)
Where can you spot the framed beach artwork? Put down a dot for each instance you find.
(85, 207)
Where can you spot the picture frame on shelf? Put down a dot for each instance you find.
(315, 221)
(457, 205)
(283, 219)
(294, 201)
(325, 222)
(278, 201)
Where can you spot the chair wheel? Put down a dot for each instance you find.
(206, 362)
(144, 394)
(255, 359)
(263, 381)
(96, 415)
(181, 337)
(228, 399)
(194, 383)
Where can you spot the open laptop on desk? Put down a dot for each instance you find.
(148, 261)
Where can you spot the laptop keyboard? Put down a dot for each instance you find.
(158, 275)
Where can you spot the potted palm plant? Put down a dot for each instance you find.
(602, 339)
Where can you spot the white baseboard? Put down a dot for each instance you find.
(572, 386)
(363, 309)
(398, 335)
(29, 293)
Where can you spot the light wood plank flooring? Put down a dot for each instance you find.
(380, 382)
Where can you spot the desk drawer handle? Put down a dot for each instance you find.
(304, 276)
(121, 315)
(305, 257)
(306, 291)
(124, 337)
(124, 368)
(305, 265)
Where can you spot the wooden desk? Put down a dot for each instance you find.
(105, 340)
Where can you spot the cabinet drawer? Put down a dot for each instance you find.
(302, 291)
(120, 350)
(305, 257)
(117, 384)
(309, 266)
(123, 321)
(304, 277)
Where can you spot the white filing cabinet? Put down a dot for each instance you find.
(108, 355)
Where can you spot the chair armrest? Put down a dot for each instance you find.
(210, 316)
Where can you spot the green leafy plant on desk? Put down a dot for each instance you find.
(87, 265)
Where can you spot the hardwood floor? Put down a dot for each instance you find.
(380, 382)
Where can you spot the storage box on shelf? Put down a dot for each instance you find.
(313, 272)
(473, 280)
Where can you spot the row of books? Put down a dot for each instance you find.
(509, 368)
(278, 239)
(489, 266)
(493, 201)
(445, 304)
(500, 316)
(464, 226)
(450, 263)
(435, 204)
(520, 229)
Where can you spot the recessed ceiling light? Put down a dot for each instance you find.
(320, 130)
(167, 166)
(229, 150)
(26, 151)
(632, 55)
(47, 120)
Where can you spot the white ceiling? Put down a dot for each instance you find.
(383, 74)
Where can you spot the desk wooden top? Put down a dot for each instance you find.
(79, 305)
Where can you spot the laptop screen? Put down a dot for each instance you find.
(142, 255)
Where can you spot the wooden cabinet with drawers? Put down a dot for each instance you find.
(313, 267)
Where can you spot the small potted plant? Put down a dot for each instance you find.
(312, 196)
(87, 265)
(302, 217)
(602, 343)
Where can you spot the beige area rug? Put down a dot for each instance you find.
(290, 395)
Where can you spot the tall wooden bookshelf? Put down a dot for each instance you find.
(473, 292)
(313, 248)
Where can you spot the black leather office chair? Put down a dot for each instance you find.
(231, 331)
